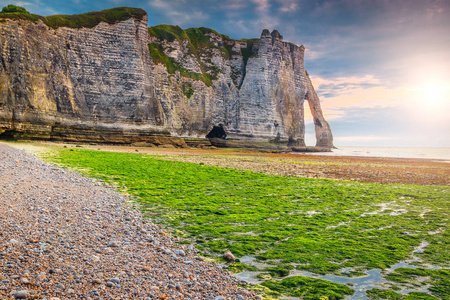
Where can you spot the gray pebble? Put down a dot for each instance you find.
(21, 295)
(113, 244)
(109, 284)
(115, 280)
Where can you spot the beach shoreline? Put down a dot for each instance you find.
(385, 170)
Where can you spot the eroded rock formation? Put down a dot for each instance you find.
(122, 82)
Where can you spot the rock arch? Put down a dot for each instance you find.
(324, 137)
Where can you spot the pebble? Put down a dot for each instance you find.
(69, 231)
(229, 256)
(115, 280)
(113, 244)
(21, 295)
(109, 284)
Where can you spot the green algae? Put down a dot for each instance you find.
(316, 225)
(309, 288)
(378, 294)
(439, 279)
(239, 267)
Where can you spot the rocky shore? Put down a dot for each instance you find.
(65, 236)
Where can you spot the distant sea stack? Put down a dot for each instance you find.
(106, 77)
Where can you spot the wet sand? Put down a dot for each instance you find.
(364, 169)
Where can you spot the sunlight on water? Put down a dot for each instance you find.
(399, 152)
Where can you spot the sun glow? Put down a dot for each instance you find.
(432, 96)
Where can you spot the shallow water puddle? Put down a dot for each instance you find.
(373, 279)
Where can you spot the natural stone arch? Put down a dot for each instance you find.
(324, 137)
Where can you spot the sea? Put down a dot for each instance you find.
(433, 153)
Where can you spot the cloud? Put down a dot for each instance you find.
(262, 6)
(181, 12)
(343, 85)
(386, 126)
(267, 22)
(160, 4)
(404, 115)
(116, 2)
(22, 3)
(288, 6)
(266, 18)
(33, 6)
(343, 92)
(233, 5)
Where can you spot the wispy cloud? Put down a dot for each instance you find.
(33, 6)
(329, 88)
(262, 6)
(288, 6)
(160, 4)
(117, 2)
(232, 5)
(180, 12)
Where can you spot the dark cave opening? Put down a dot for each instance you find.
(7, 135)
(217, 132)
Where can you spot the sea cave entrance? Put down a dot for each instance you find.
(218, 132)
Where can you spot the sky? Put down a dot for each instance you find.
(380, 67)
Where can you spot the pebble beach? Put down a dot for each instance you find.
(65, 236)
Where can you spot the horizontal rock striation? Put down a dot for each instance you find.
(119, 81)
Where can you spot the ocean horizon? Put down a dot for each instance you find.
(433, 153)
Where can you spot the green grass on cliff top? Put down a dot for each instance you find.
(316, 225)
(87, 20)
(199, 45)
(199, 40)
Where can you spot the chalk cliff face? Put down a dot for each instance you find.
(116, 82)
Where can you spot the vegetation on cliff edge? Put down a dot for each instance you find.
(86, 20)
(159, 56)
(200, 44)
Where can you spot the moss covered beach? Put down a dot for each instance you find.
(309, 238)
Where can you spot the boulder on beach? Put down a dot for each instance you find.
(228, 256)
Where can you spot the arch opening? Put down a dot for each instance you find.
(310, 133)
